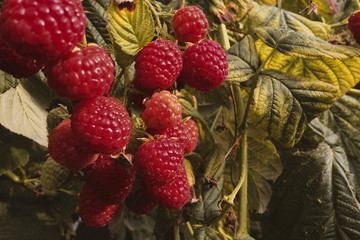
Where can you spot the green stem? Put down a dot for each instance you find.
(152, 9)
(190, 229)
(240, 110)
(243, 221)
(339, 24)
(176, 231)
(216, 118)
(358, 3)
(354, 92)
(13, 176)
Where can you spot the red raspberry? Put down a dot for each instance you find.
(205, 66)
(94, 213)
(193, 134)
(42, 29)
(174, 195)
(110, 180)
(179, 132)
(190, 24)
(162, 110)
(158, 65)
(15, 64)
(102, 123)
(139, 203)
(64, 148)
(354, 25)
(159, 160)
(85, 73)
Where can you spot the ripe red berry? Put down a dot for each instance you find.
(81, 74)
(174, 195)
(159, 160)
(162, 110)
(354, 25)
(42, 29)
(94, 213)
(193, 134)
(15, 64)
(205, 66)
(110, 180)
(158, 65)
(102, 123)
(190, 24)
(65, 149)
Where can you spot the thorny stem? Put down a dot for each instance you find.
(155, 13)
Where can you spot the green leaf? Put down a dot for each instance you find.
(205, 233)
(27, 216)
(96, 21)
(264, 167)
(243, 60)
(314, 197)
(343, 74)
(23, 110)
(56, 116)
(130, 30)
(299, 44)
(282, 104)
(12, 157)
(7, 81)
(271, 16)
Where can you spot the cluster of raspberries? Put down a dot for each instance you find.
(37, 34)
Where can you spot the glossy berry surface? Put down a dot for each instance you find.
(66, 150)
(354, 25)
(157, 65)
(192, 136)
(42, 29)
(159, 160)
(174, 195)
(102, 123)
(81, 74)
(190, 24)
(205, 66)
(94, 213)
(111, 181)
(179, 132)
(162, 110)
(15, 64)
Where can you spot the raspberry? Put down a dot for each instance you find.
(42, 29)
(205, 66)
(162, 110)
(157, 65)
(53, 175)
(15, 64)
(174, 195)
(81, 74)
(179, 131)
(192, 136)
(94, 213)
(354, 25)
(102, 123)
(64, 148)
(159, 160)
(190, 24)
(139, 203)
(111, 181)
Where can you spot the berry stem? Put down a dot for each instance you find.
(339, 24)
(190, 229)
(176, 231)
(354, 92)
(225, 43)
(279, 3)
(182, 4)
(358, 4)
(13, 176)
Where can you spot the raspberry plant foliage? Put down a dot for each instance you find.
(278, 138)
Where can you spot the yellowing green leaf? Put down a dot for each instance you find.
(343, 74)
(302, 45)
(269, 16)
(7, 81)
(130, 30)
